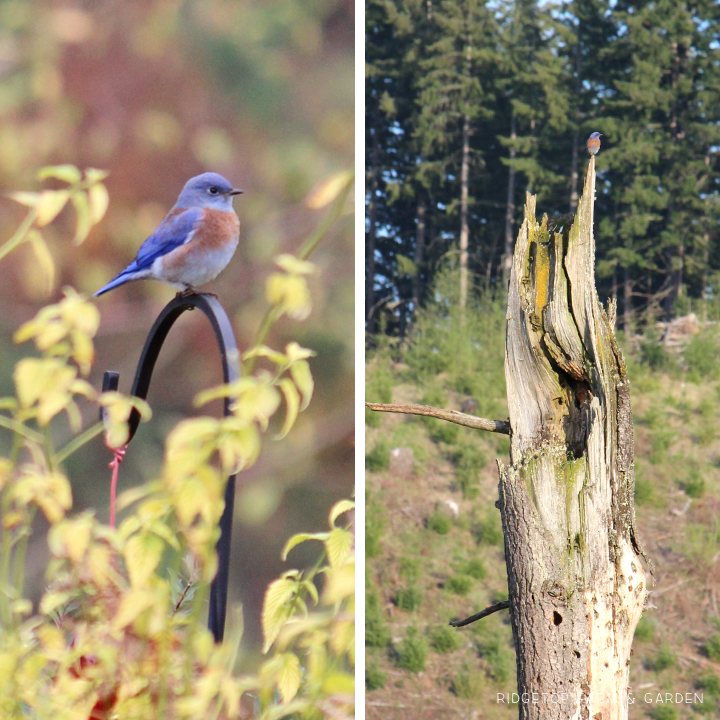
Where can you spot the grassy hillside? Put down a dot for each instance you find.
(425, 566)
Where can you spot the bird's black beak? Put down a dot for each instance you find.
(235, 191)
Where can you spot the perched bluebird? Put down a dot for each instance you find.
(194, 242)
(593, 143)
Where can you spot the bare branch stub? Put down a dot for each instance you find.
(502, 605)
(453, 416)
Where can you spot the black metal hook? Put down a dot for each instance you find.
(231, 371)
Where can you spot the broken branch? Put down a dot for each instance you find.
(453, 416)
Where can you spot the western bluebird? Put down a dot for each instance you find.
(593, 143)
(194, 242)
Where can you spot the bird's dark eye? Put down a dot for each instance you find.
(213, 190)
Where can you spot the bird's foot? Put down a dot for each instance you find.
(188, 291)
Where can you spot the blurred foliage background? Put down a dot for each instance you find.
(157, 92)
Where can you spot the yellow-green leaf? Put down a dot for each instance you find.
(340, 583)
(303, 378)
(83, 222)
(338, 546)
(69, 173)
(132, 605)
(142, 555)
(289, 676)
(49, 205)
(276, 608)
(44, 259)
(328, 190)
(29, 199)
(292, 400)
(339, 508)
(300, 538)
(290, 293)
(99, 201)
(93, 175)
(294, 266)
(52, 600)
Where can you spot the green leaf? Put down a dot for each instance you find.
(263, 351)
(292, 400)
(68, 173)
(300, 538)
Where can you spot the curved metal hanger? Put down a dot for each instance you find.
(230, 357)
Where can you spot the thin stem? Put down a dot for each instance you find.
(19, 235)
(21, 429)
(274, 313)
(76, 443)
(453, 416)
(335, 211)
(20, 552)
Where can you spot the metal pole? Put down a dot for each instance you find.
(230, 357)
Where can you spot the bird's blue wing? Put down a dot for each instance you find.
(170, 234)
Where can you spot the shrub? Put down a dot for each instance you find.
(375, 678)
(701, 355)
(652, 352)
(474, 568)
(412, 652)
(712, 647)
(377, 633)
(499, 657)
(664, 712)
(374, 528)
(440, 523)
(378, 458)
(410, 569)
(444, 639)
(469, 460)
(408, 599)
(664, 658)
(694, 487)
(489, 530)
(459, 584)
(643, 491)
(710, 683)
(110, 611)
(645, 629)
(468, 685)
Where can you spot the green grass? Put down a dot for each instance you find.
(474, 568)
(645, 630)
(488, 530)
(712, 647)
(409, 598)
(663, 659)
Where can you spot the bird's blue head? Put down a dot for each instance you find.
(209, 190)
(595, 135)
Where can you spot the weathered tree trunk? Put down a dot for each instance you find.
(576, 584)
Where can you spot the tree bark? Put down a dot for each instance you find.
(419, 254)
(464, 178)
(576, 584)
(510, 208)
(370, 239)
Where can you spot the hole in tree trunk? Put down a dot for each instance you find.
(557, 617)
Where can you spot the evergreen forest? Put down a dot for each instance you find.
(470, 105)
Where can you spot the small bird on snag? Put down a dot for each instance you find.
(593, 143)
(194, 242)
